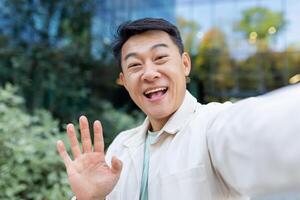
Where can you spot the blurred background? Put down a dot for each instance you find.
(56, 64)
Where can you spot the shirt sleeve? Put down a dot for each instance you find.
(255, 144)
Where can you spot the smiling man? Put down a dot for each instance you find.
(184, 150)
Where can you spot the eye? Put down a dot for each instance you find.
(134, 65)
(161, 59)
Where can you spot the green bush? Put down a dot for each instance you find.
(30, 167)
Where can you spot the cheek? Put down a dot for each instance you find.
(132, 85)
(177, 75)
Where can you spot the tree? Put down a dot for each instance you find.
(258, 24)
(46, 51)
(213, 64)
(189, 30)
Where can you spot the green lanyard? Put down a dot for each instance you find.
(151, 136)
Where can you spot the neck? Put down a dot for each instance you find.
(158, 124)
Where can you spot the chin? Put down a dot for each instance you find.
(160, 114)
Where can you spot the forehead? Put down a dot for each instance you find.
(143, 42)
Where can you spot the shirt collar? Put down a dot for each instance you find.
(173, 125)
(182, 115)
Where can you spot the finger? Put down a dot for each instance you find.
(116, 165)
(85, 134)
(73, 141)
(98, 137)
(65, 156)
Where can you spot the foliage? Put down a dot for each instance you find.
(58, 80)
(213, 64)
(45, 49)
(223, 76)
(273, 71)
(259, 20)
(265, 70)
(189, 30)
(29, 165)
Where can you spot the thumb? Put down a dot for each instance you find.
(116, 165)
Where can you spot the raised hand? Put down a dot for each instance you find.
(89, 175)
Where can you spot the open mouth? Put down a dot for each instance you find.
(155, 93)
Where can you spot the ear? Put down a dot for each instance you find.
(186, 61)
(120, 80)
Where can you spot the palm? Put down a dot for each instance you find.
(89, 175)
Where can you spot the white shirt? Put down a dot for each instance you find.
(216, 151)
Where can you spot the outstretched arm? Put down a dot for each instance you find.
(255, 143)
(89, 175)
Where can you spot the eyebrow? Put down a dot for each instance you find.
(153, 47)
(159, 45)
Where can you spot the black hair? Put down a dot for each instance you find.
(131, 28)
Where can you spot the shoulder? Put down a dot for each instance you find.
(206, 114)
(213, 108)
(118, 145)
(124, 136)
(218, 106)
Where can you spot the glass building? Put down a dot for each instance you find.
(109, 14)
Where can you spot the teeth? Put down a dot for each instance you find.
(155, 90)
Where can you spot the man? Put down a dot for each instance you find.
(184, 150)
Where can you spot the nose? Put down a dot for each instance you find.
(150, 73)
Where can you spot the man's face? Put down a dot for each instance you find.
(153, 72)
